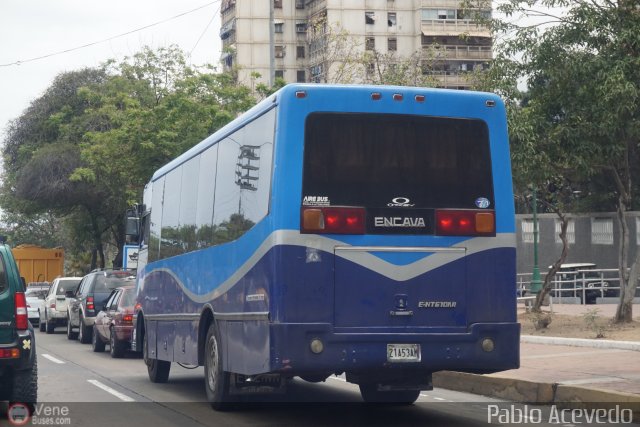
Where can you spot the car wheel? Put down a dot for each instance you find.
(158, 369)
(42, 325)
(84, 333)
(48, 326)
(70, 334)
(25, 385)
(96, 342)
(371, 394)
(216, 380)
(116, 347)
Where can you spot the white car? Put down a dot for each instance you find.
(35, 301)
(55, 312)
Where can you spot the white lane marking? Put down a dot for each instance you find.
(108, 389)
(53, 359)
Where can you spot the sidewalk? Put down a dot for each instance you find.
(587, 371)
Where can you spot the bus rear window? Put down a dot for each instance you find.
(397, 161)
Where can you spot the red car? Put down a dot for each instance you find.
(113, 323)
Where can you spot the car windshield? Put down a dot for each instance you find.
(128, 299)
(67, 285)
(36, 293)
(110, 280)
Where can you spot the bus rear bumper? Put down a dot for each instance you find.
(481, 348)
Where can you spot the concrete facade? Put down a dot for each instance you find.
(400, 27)
(593, 238)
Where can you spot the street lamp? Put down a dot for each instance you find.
(536, 281)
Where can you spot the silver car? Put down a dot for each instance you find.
(55, 312)
(35, 301)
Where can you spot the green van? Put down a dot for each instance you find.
(18, 365)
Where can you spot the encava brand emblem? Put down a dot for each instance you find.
(399, 222)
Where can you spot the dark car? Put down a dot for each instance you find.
(18, 365)
(114, 323)
(581, 280)
(93, 292)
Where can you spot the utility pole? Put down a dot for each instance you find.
(536, 281)
(272, 48)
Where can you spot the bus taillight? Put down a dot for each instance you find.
(333, 220)
(465, 223)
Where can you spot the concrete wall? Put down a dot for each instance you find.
(584, 249)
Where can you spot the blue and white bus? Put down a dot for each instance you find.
(357, 230)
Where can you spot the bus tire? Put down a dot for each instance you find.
(216, 381)
(158, 369)
(371, 394)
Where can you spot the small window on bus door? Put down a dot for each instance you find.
(389, 164)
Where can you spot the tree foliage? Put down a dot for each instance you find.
(84, 150)
(579, 119)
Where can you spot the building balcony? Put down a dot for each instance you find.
(453, 27)
(314, 6)
(460, 52)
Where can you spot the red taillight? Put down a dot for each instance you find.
(22, 317)
(465, 223)
(9, 353)
(90, 305)
(333, 220)
(52, 305)
(127, 318)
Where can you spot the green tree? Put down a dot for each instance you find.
(87, 147)
(582, 69)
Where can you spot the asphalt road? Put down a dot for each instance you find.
(81, 388)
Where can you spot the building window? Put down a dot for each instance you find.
(279, 26)
(392, 44)
(370, 43)
(301, 76)
(370, 18)
(431, 14)
(301, 27)
(571, 231)
(391, 19)
(300, 4)
(277, 4)
(279, 74)
(602, 231)
(279, 51)
(527, 230)
(299, 52)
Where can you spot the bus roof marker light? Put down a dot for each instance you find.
(398, 97)
(420, 98)
(490, 103)
(376, 96)
(301, 94)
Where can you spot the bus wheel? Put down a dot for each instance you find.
(371, 394)
(158, 369)
(216, 380)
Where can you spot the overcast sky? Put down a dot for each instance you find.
(35, 28)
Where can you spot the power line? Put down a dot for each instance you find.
(37, 58)
(205, 30)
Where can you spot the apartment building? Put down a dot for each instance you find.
(297, 40)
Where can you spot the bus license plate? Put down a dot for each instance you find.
(403, 352)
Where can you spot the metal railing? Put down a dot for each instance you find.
(583, 286)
